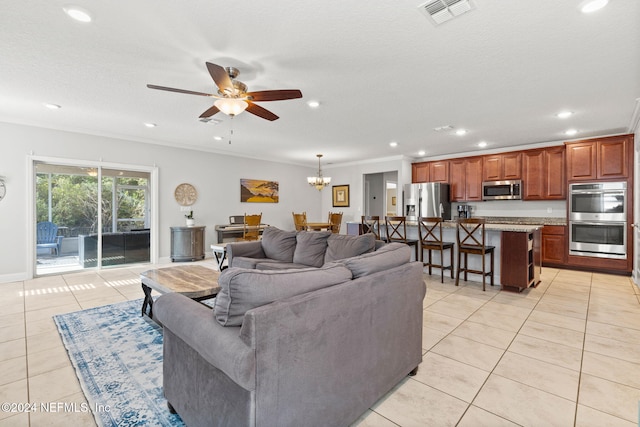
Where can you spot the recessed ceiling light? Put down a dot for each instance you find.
(564, 114)
(482, 144)
(150, 125)
(313, 104)
(52, 106)
(421, 153)
(571, 132)
(77, 13)
(217, 138)
(593, 5)
(461, 132)
(393, 144)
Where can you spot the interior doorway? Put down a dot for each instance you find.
(89, 217)
(380, 190)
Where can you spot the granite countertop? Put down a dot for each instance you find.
(526, 220)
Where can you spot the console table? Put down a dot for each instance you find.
(187, 243)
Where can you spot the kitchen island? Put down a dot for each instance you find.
(517, 253)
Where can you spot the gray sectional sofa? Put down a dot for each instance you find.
(302, 346)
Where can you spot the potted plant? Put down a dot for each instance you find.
(190, 221)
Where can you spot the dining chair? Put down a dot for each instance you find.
(430, 232)
(471, 239)
(251, 228)
(335, 220)
(396, 227)
(300, 221)
(371, 224)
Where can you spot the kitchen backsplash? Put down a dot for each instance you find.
(516, 208)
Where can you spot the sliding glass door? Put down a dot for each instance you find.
(90, 217)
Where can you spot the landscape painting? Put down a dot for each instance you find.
(258, 191)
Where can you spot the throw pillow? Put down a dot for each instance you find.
(279, 244)
(385, 258)
(310, 247)
(341, 246)
(243, 289)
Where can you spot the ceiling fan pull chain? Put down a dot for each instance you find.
(231, 130)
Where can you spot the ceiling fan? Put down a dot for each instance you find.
(232, 97)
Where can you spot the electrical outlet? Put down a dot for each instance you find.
(549, 210)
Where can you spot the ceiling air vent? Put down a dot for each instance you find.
(444, 10)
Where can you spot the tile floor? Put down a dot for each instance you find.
(566, 353)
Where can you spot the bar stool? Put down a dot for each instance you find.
(397, 232)
(430, 231)
(471, 240)
(371, 224)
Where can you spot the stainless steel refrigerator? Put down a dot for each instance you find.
(427, 199)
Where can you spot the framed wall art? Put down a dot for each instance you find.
(258, 191)
(340, 196)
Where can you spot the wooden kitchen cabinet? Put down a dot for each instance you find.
(521, 263)
(602, 158)
(501, 167)
(420, 172)
(554, 245)
(465, 179)
(543, 176)
(430, 171)
(439, 171)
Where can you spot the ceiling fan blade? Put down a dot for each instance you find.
(220, 76)
(261, 112)
(210, 112)
(171, 89)
(275, 95)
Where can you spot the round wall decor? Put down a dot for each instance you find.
(185, 194)
(3, 189)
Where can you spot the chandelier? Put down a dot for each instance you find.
(319, 182)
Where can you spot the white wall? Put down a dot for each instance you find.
(216, 178)
(352, 174)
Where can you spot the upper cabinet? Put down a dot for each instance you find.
(420, 172)
(465, 179)
(543, 176)
(601, 158)
(439, 171)
(430, 171)
(500, 167)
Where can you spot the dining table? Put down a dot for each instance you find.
(317, 226)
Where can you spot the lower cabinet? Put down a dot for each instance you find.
(554, 245)
(520, 260)
(187, 243)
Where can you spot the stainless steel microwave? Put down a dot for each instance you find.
(502, 190)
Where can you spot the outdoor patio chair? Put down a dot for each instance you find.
(47, 236)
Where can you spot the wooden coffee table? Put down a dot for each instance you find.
(193, 281)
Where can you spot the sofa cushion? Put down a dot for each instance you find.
(311, 247)
(279, 244)
(243, 289)
(388, 256)
(341, 246)
(277, 265)
(248, 262)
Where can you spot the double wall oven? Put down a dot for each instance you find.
(598, 219)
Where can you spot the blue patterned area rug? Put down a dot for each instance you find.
(117, 355)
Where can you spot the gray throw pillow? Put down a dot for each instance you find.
(279, 244)
(341, 246)
(388, 256)
(243, 289)
(311, 247)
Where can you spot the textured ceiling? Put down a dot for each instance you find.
(381, 71)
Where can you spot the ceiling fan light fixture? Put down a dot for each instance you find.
(231, 106)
